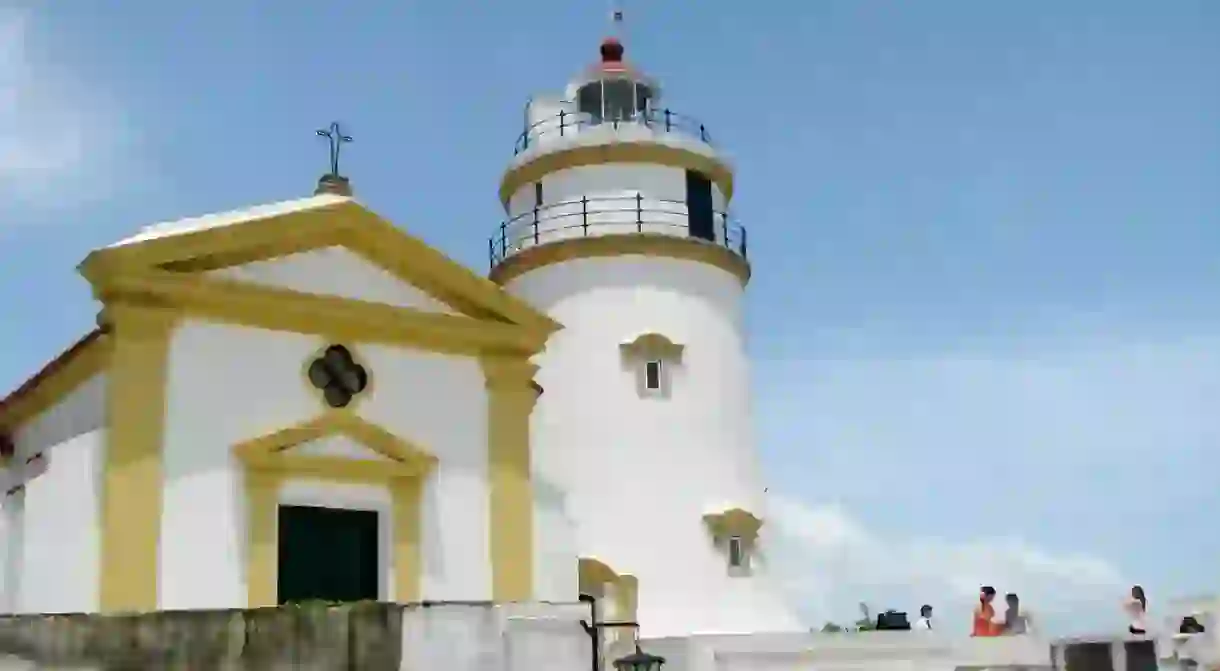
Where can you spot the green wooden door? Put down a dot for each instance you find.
(327, 554)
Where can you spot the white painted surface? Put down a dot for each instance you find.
(11, 544)
(60, 540)
(334, 271)
(339, 446)
(502, 637)
(610, 206)
(79, 412)
(640, 473)
(228, 384)
(51, 540)
(556, 576)
(581, 129)
(222, 219)
(871, 651)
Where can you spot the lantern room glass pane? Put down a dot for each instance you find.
(643, 98)
(619, 99)
(589, 100)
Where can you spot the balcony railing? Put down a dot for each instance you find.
(626, 215)
(571, 123)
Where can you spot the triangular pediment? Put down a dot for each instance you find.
(341, 447)
(336, 441)
(334, 271)
(278, 245)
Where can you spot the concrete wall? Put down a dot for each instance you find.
(640, 473)
(380, 637)
(50, 507)
(228, 384)
(874, 651)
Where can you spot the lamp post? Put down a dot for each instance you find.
(639, 661)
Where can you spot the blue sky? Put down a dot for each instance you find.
(984, 316)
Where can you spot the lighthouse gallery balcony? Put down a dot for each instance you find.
(566, 126)
(624, 215)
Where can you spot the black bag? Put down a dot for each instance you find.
(892, 620)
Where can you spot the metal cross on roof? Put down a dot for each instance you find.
(334, 134)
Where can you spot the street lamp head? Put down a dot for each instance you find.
(639, 661)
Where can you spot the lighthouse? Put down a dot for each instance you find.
(618, 227)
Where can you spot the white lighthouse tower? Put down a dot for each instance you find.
(643, 453)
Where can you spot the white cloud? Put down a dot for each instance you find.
(59, 137)
(828, 563)
(1063, 470)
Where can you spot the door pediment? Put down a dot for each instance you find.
(307, 450)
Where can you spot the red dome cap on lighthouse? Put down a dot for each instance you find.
(612, 63)
(611, 50)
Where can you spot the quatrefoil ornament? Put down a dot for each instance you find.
(337, 375)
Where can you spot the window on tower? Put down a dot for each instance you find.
(619, 98)
(652, 375)
(589, 100)
(735, 533)
(652, 359)
(737, 553)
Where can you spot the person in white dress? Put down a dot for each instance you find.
(1137, 612)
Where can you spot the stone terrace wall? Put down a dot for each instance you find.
(385, 637)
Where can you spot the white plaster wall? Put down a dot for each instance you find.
(611, 209)
(81, 411)
(542, 119)
(556, 577)
(334, 271)
(872, 651)
(499, 637)
(228, 384)
(639, 474)
(51, 515)
(60, 547)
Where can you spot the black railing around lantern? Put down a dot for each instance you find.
(623, 215)
(570, 123)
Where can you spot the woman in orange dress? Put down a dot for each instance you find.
(984, 614)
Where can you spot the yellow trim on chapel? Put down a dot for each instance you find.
(329, 222)
(734, 522)
(332, 317)
(510, 401)
(56, 380)
(269, 461)
(592, 577)
(132, 480)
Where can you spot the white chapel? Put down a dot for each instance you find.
(301, 401)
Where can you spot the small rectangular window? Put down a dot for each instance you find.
(737, 555)
(652, 375)
(537, 194)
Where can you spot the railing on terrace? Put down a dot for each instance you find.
(625, 215)
(571, 123)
